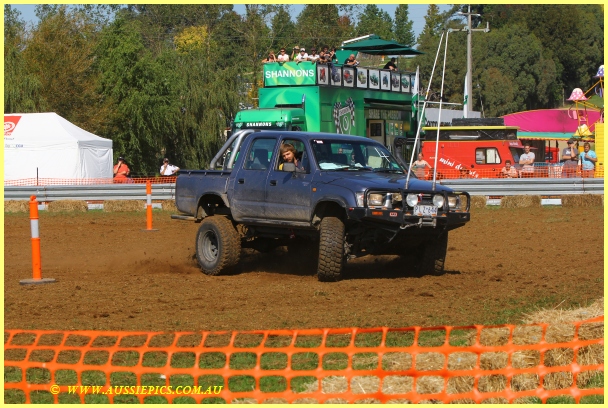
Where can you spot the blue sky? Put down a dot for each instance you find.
(417, 12)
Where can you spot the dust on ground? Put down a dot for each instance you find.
(113, 275)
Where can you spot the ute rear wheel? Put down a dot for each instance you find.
(218, 245)
(433, 254)
(331, 250)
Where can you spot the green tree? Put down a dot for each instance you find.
(141, 90)
(60, 53)
(283, 28)
(375, 21)
(22, 88)
(318, 25)
(404, 27)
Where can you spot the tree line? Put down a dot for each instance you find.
(166, 80)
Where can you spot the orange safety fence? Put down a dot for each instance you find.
(549, 171)
(91, 181)
(507, 363)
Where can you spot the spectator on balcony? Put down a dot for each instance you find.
(508, 171)
(391, 65)
(313, 56)
(351, 61)
(570, 160)
(282, 57)
(526, 160)
(271, 58)
(302, 56)
(588, 160)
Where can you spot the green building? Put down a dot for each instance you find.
(312, 97)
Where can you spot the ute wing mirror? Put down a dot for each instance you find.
(291, 167)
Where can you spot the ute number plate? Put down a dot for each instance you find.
(425, 210)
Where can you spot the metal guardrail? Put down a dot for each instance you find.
(530, 186)
(480, 187)
(98, 192)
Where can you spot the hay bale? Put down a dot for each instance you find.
(460, 384)
(494, 336)
(525, 382)
(521, 201)
(583, 200)
(492, 383)
(479, 201)
(558, 381)
(336, 401)
(368, 401)
(365, 384)
(124, 205)
(429, 361)
(16, 206)
(399, 401)
(525, 359)
(334, 385)
(561, 316)
(527, 335)
(462, 361)
(493, 360)
(560, 333)
(305, 401)
(558, 357)
(590, 355)
(275, 401)
(68, 206)
(396, 361)
(169, 205)
(430, 384)
(397, 384)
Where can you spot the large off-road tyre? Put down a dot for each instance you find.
(433, 254)
(218, 245)
(331, 250)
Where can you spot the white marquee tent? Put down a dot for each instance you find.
(45, 145)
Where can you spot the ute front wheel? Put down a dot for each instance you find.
(218, 245)
(432, 257)
(331, 250)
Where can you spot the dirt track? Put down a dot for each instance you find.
(112, 275)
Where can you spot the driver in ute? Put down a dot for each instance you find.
(288, 155)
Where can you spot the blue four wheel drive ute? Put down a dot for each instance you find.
(343, 195)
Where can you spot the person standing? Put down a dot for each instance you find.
(420, 166)
(168, 169)
(588, 159)
(526, 160)
(121, 171)
(570, 160)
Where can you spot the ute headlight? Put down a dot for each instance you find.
(453, 201)
(375, 199)
(411, 200)
(438, 200)
(359, 197)
(397, 197)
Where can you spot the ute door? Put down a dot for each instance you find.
(288, 194)
(249, 189)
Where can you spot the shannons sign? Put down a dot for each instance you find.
(289, 73)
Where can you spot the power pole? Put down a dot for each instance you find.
(469, 77)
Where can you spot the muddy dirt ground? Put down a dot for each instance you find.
(113, 275)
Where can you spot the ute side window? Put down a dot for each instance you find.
(487, 155)
(301, 155)
(259, 155)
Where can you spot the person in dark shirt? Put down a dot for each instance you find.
(391, 65)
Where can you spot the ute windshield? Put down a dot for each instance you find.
(361, 155)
